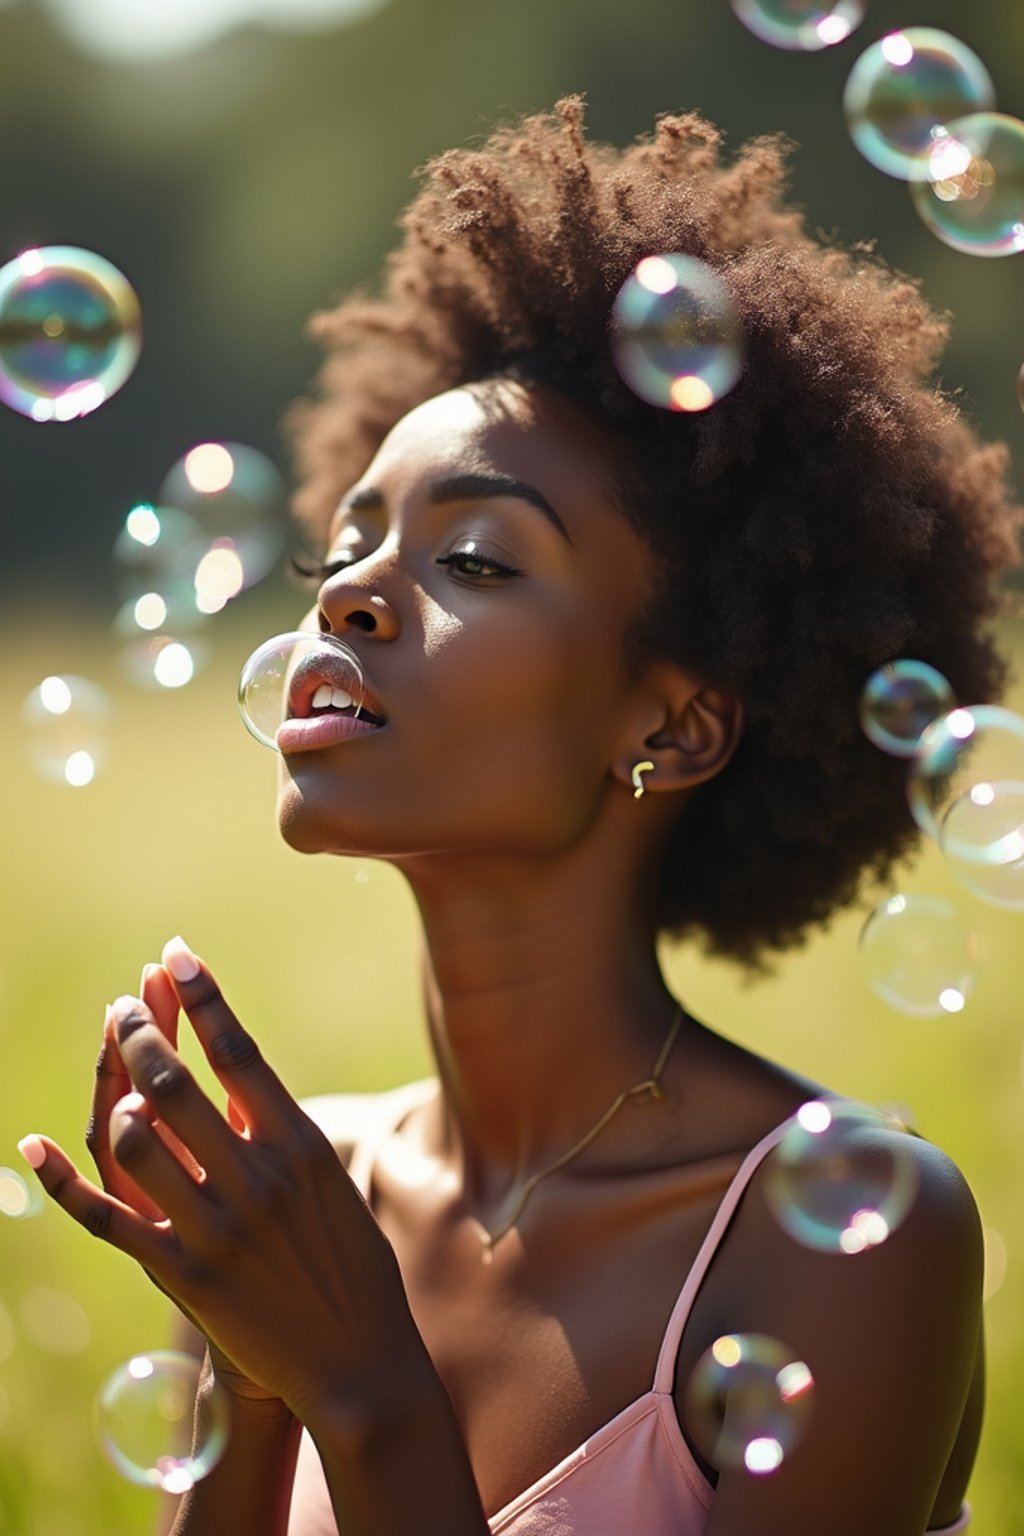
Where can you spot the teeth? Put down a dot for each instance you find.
(323, 696)
(340, 699)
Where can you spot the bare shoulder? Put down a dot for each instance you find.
(346, 1119)
(892, 1338)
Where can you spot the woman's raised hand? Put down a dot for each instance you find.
(249, 1223)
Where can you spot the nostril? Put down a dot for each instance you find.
(360, 619)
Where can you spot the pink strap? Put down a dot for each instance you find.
(664, 1375)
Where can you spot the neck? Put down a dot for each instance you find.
(544, 1000)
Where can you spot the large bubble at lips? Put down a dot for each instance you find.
(676, 336)
(748, 1402)
(237, 496)
(899, 700)
(842, 1177)
(70, 332)
(919, 956)
(973, 197)
(66, 724)
(290, 667)
(904, 89)
(144, 1417)
(806, 25)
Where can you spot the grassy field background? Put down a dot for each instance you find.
(318, 957)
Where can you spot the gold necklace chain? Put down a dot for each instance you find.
(651, 1085)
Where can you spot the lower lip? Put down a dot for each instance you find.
(317, 731)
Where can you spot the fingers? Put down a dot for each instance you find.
(253, 1087)
(98, 1212)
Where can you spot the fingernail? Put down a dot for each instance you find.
(33, 1151)
(130, 1103)
(180, 960)
(147, 971)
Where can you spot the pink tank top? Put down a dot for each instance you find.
(636, 1473)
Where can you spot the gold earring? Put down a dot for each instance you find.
(638, 769)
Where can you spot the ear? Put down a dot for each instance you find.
(688, 731)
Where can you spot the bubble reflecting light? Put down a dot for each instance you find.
(676, 335)
(982, 838)
(919, 956)
(237, 496)
(283, 677)
(905, 88)
(748, 1402)
(973, 197)
(144, 1420)
(841, 1178)
(158, 553)
(805, 25)
(18, 1198)
(961, 750)
(70, 332)
(66, 722)
(899, 700)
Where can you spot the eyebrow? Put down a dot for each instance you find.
(467, 487)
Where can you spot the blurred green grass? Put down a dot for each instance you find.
(318, 956)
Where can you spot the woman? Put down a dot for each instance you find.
(613, 659)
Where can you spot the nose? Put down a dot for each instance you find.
(344, 604)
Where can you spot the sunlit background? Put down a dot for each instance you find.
(241, 163)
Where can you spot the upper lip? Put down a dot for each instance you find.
(311, 672)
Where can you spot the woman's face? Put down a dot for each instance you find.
(486, 580)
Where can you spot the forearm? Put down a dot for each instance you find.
(398, 1466)
(249, 1490)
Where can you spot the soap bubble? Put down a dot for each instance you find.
(279, 680)
(960, 750)
(237, 496)
(70, 332)
(800, 24)
(676, 336)
(144, 1421)
(973, 197)
(18, 1197)
(748, 1402)
(982, 838)
(66, 721)
(919, 956)
(841, 1178)
(158, 552)
(904, 89)
(163, 661)
(899, 700)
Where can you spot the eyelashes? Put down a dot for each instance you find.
(465, 562)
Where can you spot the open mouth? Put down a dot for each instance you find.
(321, 685)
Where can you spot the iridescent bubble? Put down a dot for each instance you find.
(983, 744)
(982, 838)
(807, 25)
(66, 722)
(904, 89)
(158, 552)
(163, 661)
(238, 497)
(899, 700)
(302, 690)
(70, 332)
(919, 956)
(144, 1421)
(676, 336)
(748, 1402)
(18, 1198)
(842, 1177)
(973, 196)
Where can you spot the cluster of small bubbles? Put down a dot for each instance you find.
(66, 721)
(804, 25)
(158, 552)
(55, 1321)
(965, 788)
(919, 956)
(748, 1402)
(144, 1417)
(973, 195)
(237, 497)
(18, 1198)
(70, 332)
(676, 336)
(899, 700)
(902, 92)
(835, 1182)
(285, 670)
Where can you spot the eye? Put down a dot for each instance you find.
(473, 562)
(310, 573)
